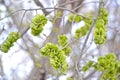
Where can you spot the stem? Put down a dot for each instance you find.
(86, 39)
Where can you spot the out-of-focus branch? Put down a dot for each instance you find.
(2, 29)
(89, 76)
(22, 20)
(38, 3)
(69, 2)
(1, 69)
(60, 8)
(86, 39)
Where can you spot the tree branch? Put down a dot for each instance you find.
(38, 3)
(87, 37)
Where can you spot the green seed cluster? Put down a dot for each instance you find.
(37, 24)
(88, 22)
(9, 42)
(87, 66)
(74, 18)
(56, 55)
(63, 41)
(69, 78)
(82, 31)
(58, 14)
(108, 65)
(100, 35)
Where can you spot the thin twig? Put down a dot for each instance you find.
(2, 69)
(85, 4)
(25, 31)
(22, 19)
(88, 46)
(92, 25)
(2, 29)
(87, 37)
(62, 8)
(12, 13)
(69, 2)
(38, 3)
(87, 77)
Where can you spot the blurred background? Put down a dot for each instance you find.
(24, 62)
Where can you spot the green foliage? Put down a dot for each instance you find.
(82, 31)
(78, 18)
(108, 65)
(48, 49)
(37, 24)
(69, 78)
(67, 50)
(74, 18)
(88, 23)
(55, 29)
(58, 14)
(71, 17)
(63, 41)
(100, 35)
(56, 55)
(38, 65)
(8, 43)
(87, 66)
